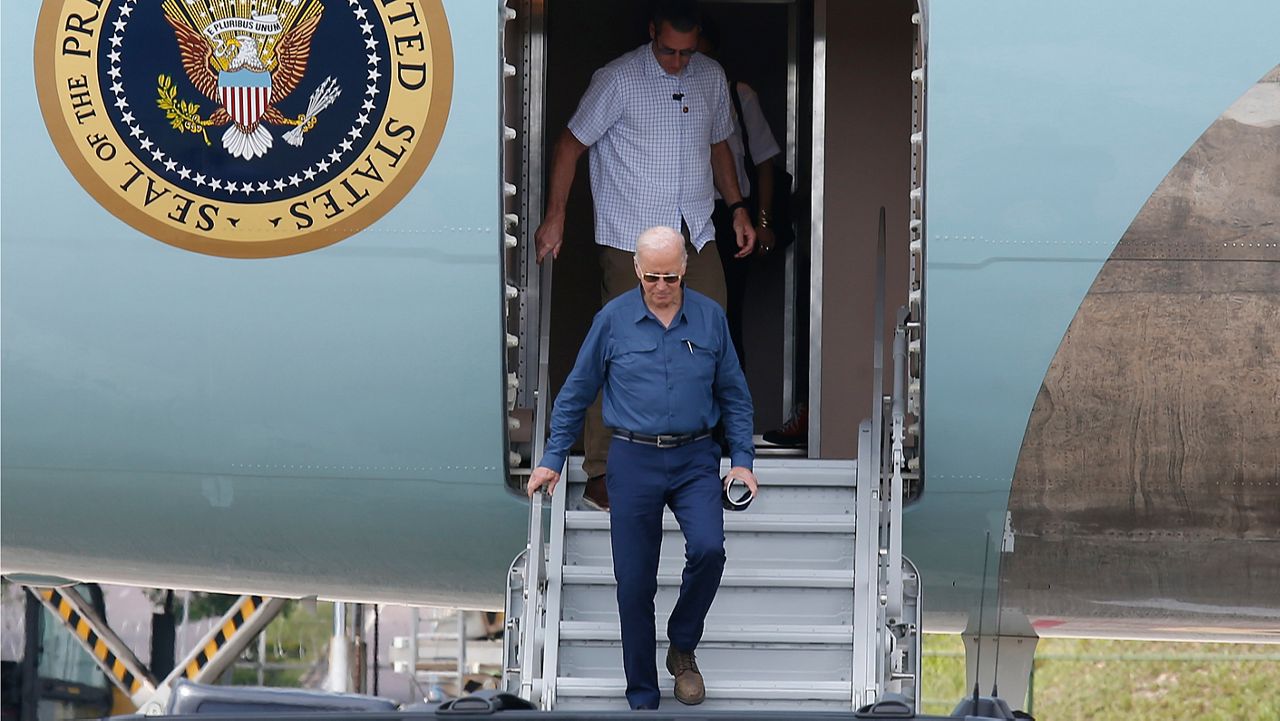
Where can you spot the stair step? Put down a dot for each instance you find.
(796, 501)
(796, 634)
(748, 578)
(745, 522)
(733, 605)
(797, 487)
(748, 545)
(759, 663)
(717, 690)
(727, 709)
(775, 451)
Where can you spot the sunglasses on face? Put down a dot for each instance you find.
(669, 278)
(664, 50)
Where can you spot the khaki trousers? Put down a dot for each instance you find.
(704, 273)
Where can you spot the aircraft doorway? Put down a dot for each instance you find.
(849, 150)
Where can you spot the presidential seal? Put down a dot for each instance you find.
(245, 128)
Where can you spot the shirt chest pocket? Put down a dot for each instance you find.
(698, 111)
(695, 359)
(632, 354)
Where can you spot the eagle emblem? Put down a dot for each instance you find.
(247, 65)
(246, 128)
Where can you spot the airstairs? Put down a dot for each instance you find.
(817, 610)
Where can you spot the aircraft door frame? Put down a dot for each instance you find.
(528, 50)
(859, 155)
(817, 197)
(524, 82)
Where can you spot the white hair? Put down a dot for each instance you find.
(661, 238)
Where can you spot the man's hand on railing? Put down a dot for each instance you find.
(543, 477)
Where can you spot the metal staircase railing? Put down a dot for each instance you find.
(532, 617)
(882, 621)
(770, 620)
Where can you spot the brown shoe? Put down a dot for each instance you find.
(689, 687)
(596, 495)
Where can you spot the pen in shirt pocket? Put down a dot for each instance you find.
(690, 344)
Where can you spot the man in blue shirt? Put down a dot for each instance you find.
(663, 356)
(657, 121)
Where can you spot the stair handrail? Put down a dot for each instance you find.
(881, 455)
(532, 634)
(540, 408)
(530, 655)
(511, 631)
(865, 679)
(553, 587)
(897, 459)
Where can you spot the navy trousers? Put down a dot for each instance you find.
(642, 480)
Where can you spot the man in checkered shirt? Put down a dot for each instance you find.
(657, 121)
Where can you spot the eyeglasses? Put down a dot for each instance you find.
(668, 278)
(664, 50)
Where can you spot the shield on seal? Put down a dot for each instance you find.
(245, 94)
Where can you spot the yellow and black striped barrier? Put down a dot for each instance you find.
(126, 673)
(232, 622)
(212, 656)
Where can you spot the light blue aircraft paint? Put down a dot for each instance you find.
(336, 412)
(1049, 126)
(332, 421)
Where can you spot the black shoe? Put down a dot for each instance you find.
(596, 494)
(794, 433)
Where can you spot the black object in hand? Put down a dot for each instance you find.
(736, 495)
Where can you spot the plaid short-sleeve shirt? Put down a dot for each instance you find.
(650, 136)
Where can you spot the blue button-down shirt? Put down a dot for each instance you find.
(651, 153)
(656, 380)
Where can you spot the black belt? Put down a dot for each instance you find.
(662, 440)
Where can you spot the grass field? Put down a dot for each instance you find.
(1079, 680)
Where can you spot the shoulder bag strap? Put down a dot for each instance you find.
(742, 128)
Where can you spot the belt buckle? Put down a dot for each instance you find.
(665, 441)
